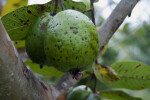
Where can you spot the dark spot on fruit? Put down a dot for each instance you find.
(86, 52)
(48, 20)
(142, 77)
(73, 28)
(29, 11)
(43, 27)
(126, 70)
(73, 7)
(138, 65)
(58, 47)
(120, 65)
(41, 66)
(14, 15)
(77, 57)
(28, 20)
(143, 87)
(75, 32)
(53, 59)
(25, 23)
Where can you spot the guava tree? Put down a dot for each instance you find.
(61, 39)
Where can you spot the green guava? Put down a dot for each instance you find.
(93, 96)
(72, 41)
(79, 93)
(34, 43)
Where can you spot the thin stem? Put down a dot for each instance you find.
(62, 5)
(55, 9)
(92, 7)
(95, 85)
(90, 80)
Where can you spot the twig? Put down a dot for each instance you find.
(62, 5)
(95, 84)
(92, 7)
(108, 28)
(55, 9)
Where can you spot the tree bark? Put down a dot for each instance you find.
(17, 82)
(112, 23)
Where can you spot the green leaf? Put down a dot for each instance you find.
(105, 74)
(133, 75)
(117, 95)
(12, 5)
(46, 71)
(19, 44)
(18, 22)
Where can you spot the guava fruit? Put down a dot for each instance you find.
(72, 42)
(93, 96)
(79, 93)
(34, 43)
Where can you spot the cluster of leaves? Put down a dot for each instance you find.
(130, 74)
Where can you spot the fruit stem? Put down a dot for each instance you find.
(92, 7)
(95, 85)
(55, 9)
(90, 80)
(62, 5)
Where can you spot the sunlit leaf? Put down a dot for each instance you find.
(18, 22)
(133, 75)
(105, 74)
(12, 5)
(117, 95)
(46, 71)
(19, 44)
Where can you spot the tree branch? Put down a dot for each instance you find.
(116, 18)
(17, 82)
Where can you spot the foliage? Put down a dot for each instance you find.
(133, 75)
(12, 5)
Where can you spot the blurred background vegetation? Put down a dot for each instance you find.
(130, 42)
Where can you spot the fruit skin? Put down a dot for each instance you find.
(34, 43)
(79, 93)
(93, 96)
(72, 42)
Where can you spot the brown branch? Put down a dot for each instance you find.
(108, 28)
(55, 9)
(17, 82)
